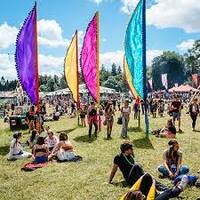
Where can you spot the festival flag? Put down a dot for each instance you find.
(195, 79)
(150, 85)
(128, 78)
(89, 60)
(71, 67)
(164, 80)
(26, 57)
(135, 53)
(135, 49)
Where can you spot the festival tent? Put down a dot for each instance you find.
(82, 90)
(183, 89)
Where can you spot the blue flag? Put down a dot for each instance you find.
(135, 49)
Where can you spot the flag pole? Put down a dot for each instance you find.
(144, 67)
(36, 69)
(98, 83)
(77, 77)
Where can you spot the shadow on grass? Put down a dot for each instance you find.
(85, 138)
(66, 131)
(143, 143)
(4, 150)
(120, 184)
(134, 129)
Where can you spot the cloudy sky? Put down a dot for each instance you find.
(171, 25)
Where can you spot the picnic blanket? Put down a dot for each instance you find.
(31, 166)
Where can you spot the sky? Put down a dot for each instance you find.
(171, 25)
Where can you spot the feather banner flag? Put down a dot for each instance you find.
(26, 57)
(195, 79)
(135, 53)
(128, 78)
(71, 67)
(135, 49)
(164, 80)
(89, 60)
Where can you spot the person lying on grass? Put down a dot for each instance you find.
(51, 140)
(169, 131)
(126, 163)
(40, 151)
(16, 149)
(172, 162)
(144, 189)
(63, 149)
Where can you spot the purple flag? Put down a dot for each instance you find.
(26, 57)
(89, 59)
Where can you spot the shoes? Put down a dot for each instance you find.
(184, 181)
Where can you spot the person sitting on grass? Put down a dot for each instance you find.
(33, 138)
(16, 150)
(169, 131)
(144, 189)
(63, 149)
(126, 163)
(51, 140)
(172, 162)
(40, 151)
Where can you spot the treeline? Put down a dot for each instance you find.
(112, 78)
(178, 67)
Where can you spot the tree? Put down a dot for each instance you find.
(119, 70)
(170, 63)
(114, 70)
(192, 59)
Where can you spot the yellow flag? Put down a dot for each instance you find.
(129, 78)
(71, 67)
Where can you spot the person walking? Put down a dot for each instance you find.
(125, 113)
(194, 111)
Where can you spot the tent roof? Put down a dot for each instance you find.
(183, 88)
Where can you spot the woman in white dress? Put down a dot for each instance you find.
(16, 150)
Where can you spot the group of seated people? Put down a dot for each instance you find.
(43, 148)
(145, 186)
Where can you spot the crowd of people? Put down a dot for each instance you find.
(46, 146)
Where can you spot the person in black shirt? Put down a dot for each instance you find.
(126, 163)
(131, 171)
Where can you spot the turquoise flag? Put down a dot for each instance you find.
(135, 49)
(135, 53)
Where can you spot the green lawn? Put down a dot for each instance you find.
(88, 178)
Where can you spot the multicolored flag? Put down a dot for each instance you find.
(26, 57)
(135, 53)
(195, 79)
(71, 68)
(135, 49)
(89, 60)
(164, 80)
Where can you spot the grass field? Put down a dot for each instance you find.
(88, 178)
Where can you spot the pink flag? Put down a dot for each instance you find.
(90, 58)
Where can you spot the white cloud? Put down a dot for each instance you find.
(97, 1)
(128, 6)
(48, 64)
(184, 14)
(108, 58)
(50, 34)
(7, 66)
(151, 54)
(185, 45)
(7, 35)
